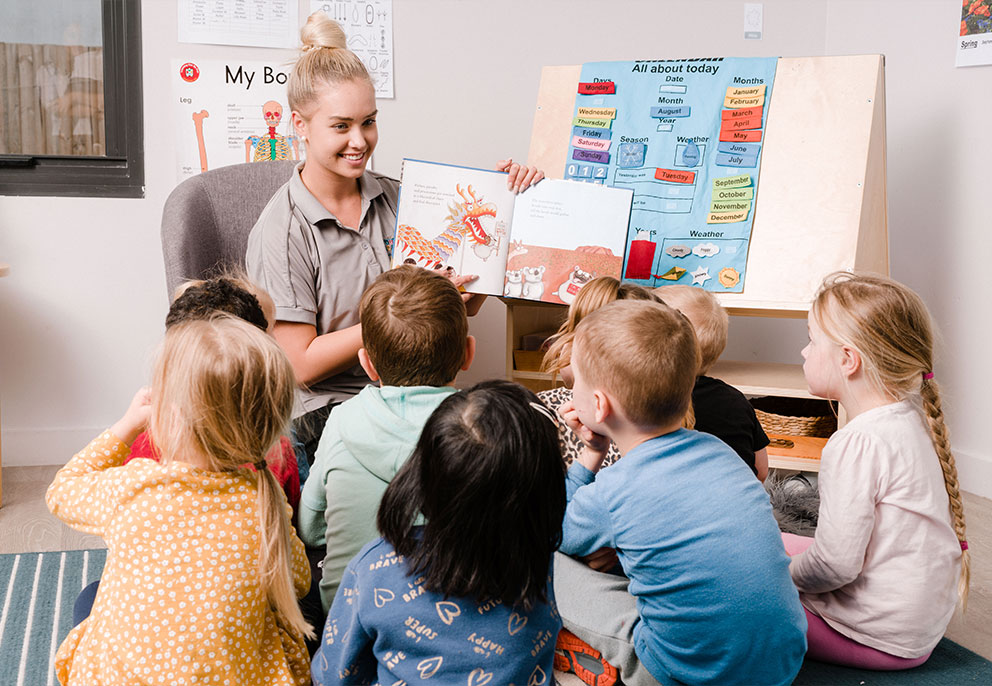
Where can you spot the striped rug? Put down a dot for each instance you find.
(37, 591)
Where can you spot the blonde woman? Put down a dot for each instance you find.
(327, 234)
(890, 560)
(203, 570)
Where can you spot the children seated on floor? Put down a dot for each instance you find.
(719, 408)
(465, 597)
(234, 295)
(415, 338)
(706, 597)
(592, 296)
(890, 559)
(203, 569)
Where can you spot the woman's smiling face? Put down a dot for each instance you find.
(340, 131)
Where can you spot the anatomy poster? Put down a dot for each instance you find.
(685, 136)
(230, 112)
(368, 24)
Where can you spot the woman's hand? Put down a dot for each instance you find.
(473, 301)
(520, 176)
(136, 417)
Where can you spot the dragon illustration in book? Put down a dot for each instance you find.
(465, 222)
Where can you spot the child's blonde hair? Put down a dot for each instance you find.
(324, 59)
(223, 391)
(594, 295)
(707, 316)
(599, 292)
(889, 325)
(644, 354)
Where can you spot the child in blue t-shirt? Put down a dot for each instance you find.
(466, 596)
(706, 596)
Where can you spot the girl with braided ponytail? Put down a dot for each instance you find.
(889, 562)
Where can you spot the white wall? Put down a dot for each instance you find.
(83, 306)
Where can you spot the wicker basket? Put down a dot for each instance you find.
(795, 416)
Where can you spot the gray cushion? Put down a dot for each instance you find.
(207, 218)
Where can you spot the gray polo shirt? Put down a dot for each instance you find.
(316, 269)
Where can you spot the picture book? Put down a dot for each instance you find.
(543, 244)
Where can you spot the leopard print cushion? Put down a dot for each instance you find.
(570, 443)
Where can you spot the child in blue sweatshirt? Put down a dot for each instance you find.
(705, 596)
(465, 598)
(415, 338)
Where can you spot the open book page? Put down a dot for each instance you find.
(454, 217)
(564, 234)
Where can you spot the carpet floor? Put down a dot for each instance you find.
(38, 591)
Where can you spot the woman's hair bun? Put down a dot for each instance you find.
(321, 31)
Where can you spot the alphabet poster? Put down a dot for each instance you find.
(230, 112)
(685, 136)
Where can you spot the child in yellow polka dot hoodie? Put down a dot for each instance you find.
(203, 570)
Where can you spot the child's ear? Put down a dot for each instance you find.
(603, 406)
(469, 352)
(366, 362)
(850, 362)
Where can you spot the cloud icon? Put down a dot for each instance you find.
(678, 250)
(706, 249)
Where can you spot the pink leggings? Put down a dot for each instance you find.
(826, 644)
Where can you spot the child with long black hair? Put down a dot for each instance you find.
(459, 586)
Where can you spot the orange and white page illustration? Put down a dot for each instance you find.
(452, 217)
(564, 234)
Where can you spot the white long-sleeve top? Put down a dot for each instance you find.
(884, 565)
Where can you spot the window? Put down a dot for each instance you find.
(70, 98)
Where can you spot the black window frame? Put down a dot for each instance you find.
(120, 173)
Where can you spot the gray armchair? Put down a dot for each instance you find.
(207, 218)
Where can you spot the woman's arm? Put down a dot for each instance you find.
(317, 357)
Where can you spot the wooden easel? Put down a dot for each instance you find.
(821, 200)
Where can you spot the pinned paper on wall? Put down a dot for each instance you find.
(253, 23)
(975, 34)
(368, 24)
(230, 112)
(685, 137)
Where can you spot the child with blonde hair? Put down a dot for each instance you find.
(203, 569)
(594, 295)
(890, 560)
(702, 599)
(230, 293)
(719, 408)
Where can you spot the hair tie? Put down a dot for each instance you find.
(927, 376)
(964, 546)
(260, 465)
(542, 409)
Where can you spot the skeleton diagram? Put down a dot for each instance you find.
(271, 146)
